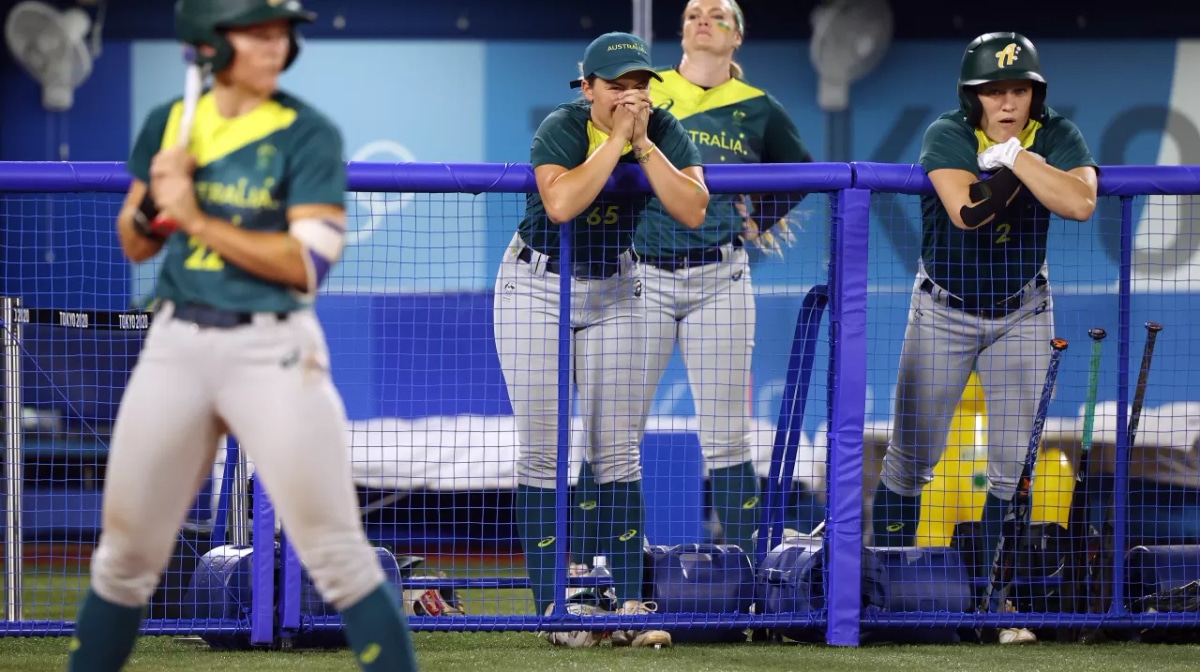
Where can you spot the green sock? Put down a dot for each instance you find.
(535, 522)
(736, 500)
(378, 634)
(585, 518)
(895, 517)
(104, 635)
(622, 531)
(991, 527)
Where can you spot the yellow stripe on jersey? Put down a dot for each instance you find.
(1027, 136)
(684, 98)
(215, 137)
(596, 137)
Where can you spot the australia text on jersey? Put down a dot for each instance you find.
(722, 140)
(240, 194)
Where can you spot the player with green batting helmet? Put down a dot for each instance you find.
(996, 57)
(1001, 164)
(254, 186)
(204, 22)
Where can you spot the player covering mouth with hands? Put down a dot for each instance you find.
(574, 153)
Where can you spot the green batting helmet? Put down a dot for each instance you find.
(204, 22)
(994, 57)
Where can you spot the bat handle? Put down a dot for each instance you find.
(193, 85)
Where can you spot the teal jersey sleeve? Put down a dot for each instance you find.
(1066, 149)
(149, 141)
(560, 140)
(781, 138)
(672, 139)
(949, 144)
(317, 170)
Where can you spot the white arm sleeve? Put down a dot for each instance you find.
(323, 241)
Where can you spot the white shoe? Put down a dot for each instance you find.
(642, 638)
(1017, 636)
(576, 639)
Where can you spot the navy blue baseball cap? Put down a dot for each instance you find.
(614, 55)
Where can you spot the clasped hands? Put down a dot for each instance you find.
(631, 118)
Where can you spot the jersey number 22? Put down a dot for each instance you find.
(204, 259)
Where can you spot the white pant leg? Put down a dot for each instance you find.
(936, 360)
(525, 324)
(610, 358)
(279, 400)
(716, 338)
(1012, 371)
(163, 446)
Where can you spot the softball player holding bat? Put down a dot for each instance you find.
(574, 153)
(982, 298)
(698, 289)
(251, 216)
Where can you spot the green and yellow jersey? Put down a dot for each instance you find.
(730, 123)
(995, 261)
(567, 137)
(249, 171)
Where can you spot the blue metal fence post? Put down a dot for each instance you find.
(262, 601)
(1121, 470)
(289, 588)
(562, 499)
(848, 345)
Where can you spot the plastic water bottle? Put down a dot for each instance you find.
(600, 593)
(600, 568)
(605, 593)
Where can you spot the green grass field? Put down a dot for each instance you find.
(55, 594)
(454, 652)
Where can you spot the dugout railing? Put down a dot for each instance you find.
(854, 219)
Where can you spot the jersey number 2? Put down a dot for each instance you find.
(610, 215)
(1003, 228)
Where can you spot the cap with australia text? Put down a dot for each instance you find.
(614, 55)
